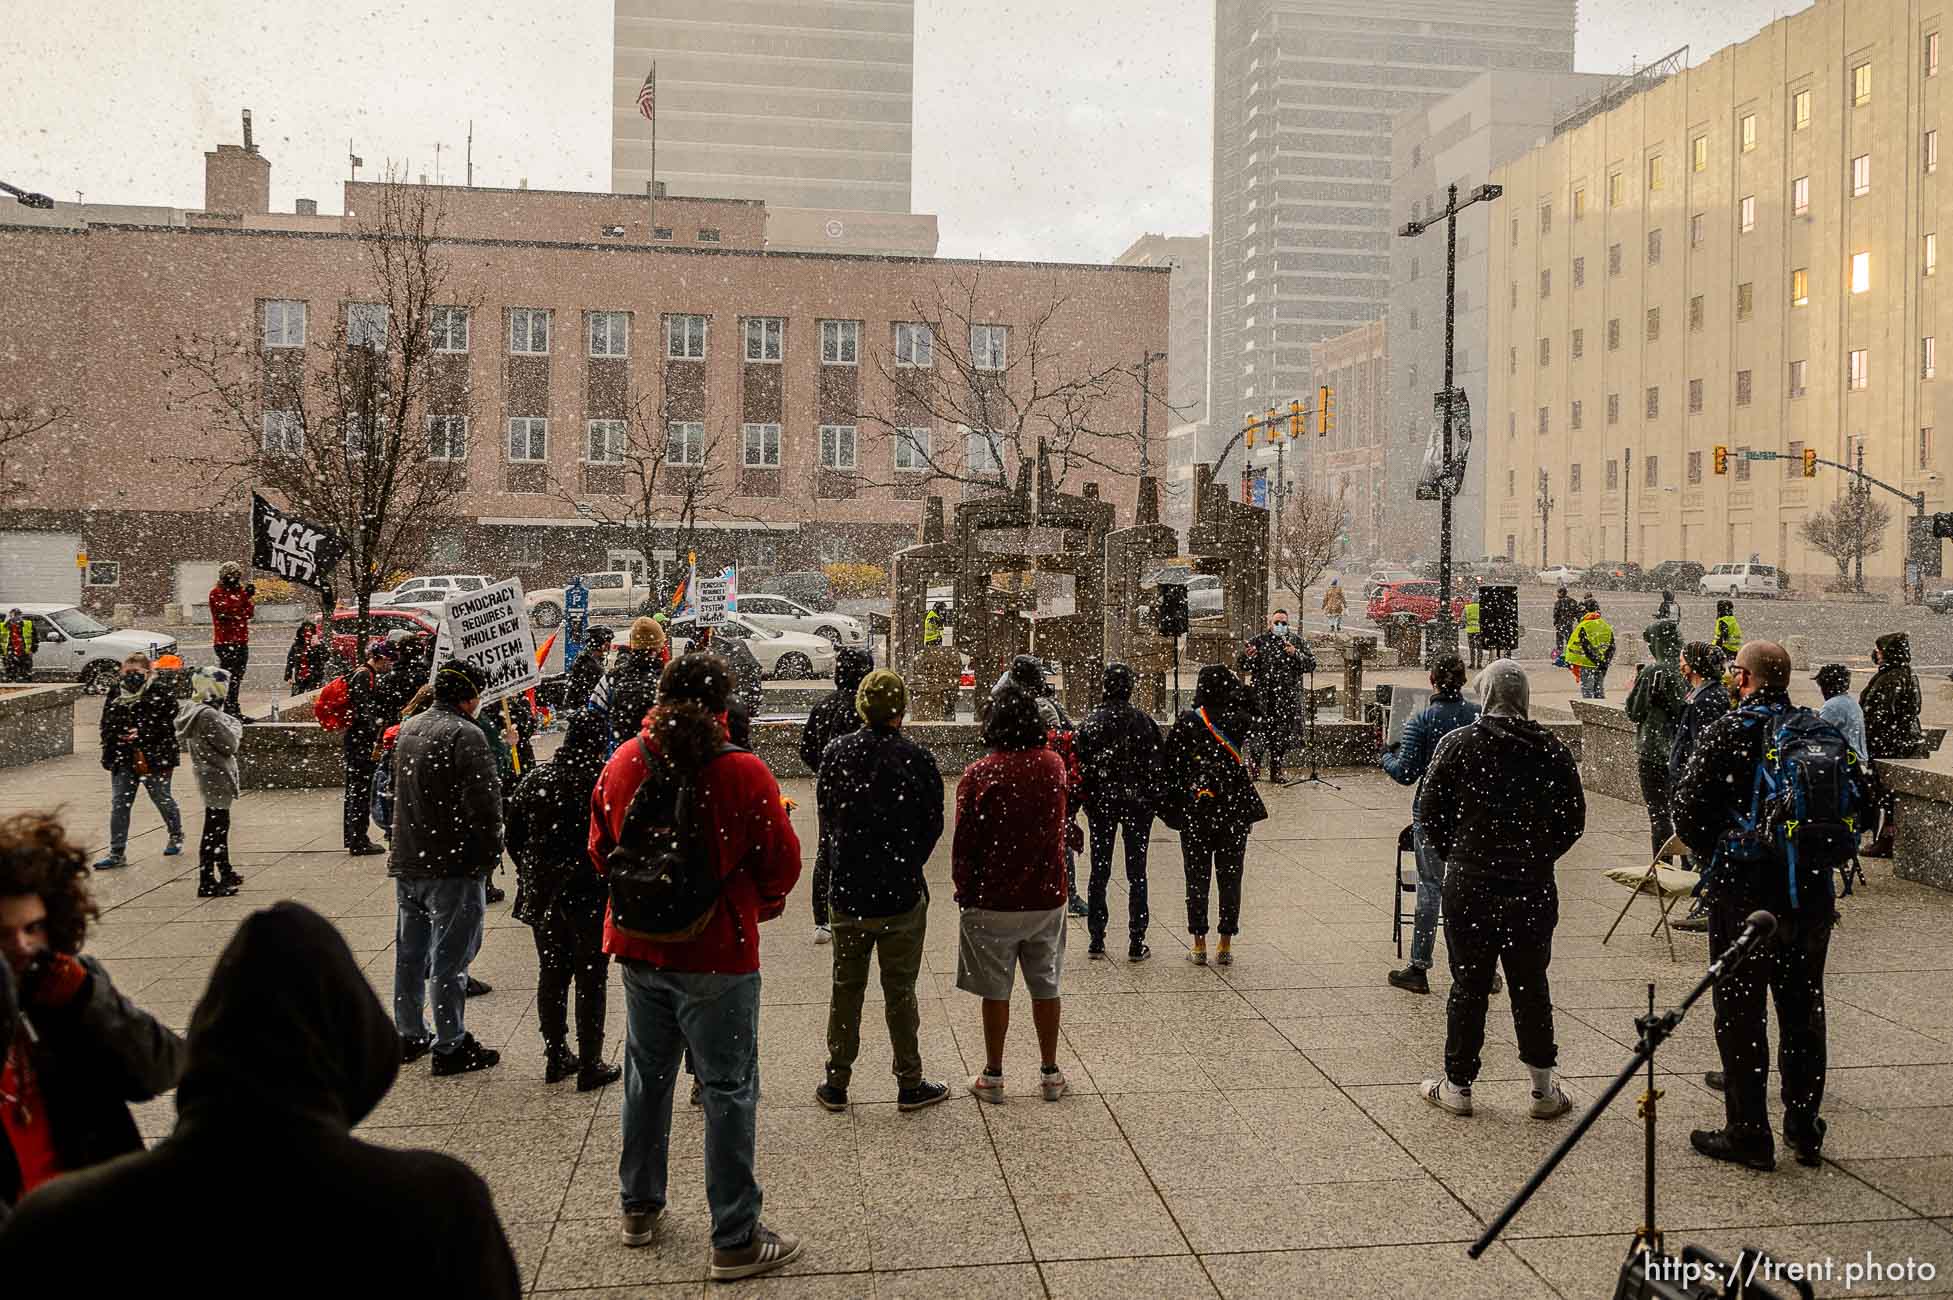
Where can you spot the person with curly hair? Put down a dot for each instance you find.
(77, 1051)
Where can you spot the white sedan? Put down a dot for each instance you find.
(791, 655)
(1560, 576)
(783, 615)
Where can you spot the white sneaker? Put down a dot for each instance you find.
(1443, 1094)
(1052, 1084)
(823, 935)
(988, 1087)
(1552, 1104)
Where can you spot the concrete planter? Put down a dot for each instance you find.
(291, 756)
(1609, 763)
(37, 722)
(1923, 847)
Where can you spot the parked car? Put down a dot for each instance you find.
(1617, 575)
(1560, 575)
(1941, 601)
(1417, 597)
(71, 645)
(1675, 575)
(613, 591)
(794, 655)
(1204, 595)
(808, 587)
(1378, 577)
(783, 615)
(416, 591)
(380, 623)
(1739, 580)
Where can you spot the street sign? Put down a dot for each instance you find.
(1760, 455)
(490, 628)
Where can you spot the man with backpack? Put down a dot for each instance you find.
(1118, 753)
(1769, 802)
(881, 812)
(693, 839)
(828, 721)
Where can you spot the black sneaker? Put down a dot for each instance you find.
(208, 888)
(559, 1063)
(364, 850)
(595, 1074)
(831, 1098)
(1097, 951)
(231, 880)
(1808, 1146)
(1077, 906)
(926, 1093)
(1411, 979)
(1716, 1144)
(494, 894)
(1138, 952)
(478, 987)
(412, 1049)
(1714, 1081)
(465, 1059)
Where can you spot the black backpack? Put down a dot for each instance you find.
(1806, 801)
(664, 885)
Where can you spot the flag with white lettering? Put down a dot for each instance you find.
(294, 549)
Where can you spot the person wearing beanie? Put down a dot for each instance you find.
(1118, 750)
(880, 797)
(209, 738)
(1406, 762)
(1729, 633)
(827, 721)
(373, 704)
(233, 604)
(1501, 804)
(630, 689)
(648, 634)
(1208, 794)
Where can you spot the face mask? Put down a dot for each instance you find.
(133, 681)
(1281, 629)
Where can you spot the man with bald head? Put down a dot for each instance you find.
(1712, 800)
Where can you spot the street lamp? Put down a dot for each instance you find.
(28, 199)
(1546, 504)
(1443, 637)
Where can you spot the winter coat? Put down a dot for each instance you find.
(1591, 643)
(211, 738)
(1008, 853)
(231, 611)
(1566, 612)
(1729, 635)
(91, 1057)
(834, 716)
(1891, 702)
(1844, 713)
(581, 680)
(629, 691)
(1048, 711)
(746, 672)
(1118, 750)
(548, 830)
(1447, 711)
(1276, 664)
(1703, 706)
(373, 703)
(1502, 800)
(447, 799)
(881, 812)
(1659, 694)
(151, 714)
(306, 657)
(1207, 789)
(289, 1049)
(743, 819)
(1333, 602)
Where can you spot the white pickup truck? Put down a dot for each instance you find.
(611, 594)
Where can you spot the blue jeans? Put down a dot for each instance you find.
(1593, 683)
(437, 933)
(1430, 889)
(716, 1018)
(122, 787)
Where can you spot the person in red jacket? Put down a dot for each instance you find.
(1009, 873)
(233, 603)
(700, 996)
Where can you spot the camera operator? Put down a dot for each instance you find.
(1275, 661)
(233, 603)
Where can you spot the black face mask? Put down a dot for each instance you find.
(133, 681)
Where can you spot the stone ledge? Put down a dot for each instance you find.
(37, 722)
(291, 756)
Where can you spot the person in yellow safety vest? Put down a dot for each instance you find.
(17, 646)
(932, 625)
(1590, 649)
(1472, 628)
(1729, 635)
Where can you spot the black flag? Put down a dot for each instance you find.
(295, 549)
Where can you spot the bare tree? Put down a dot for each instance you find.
(1848, 530)
(1312, 526)
(20, 421)
(361, 429)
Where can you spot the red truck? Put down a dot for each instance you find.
(1419, 598)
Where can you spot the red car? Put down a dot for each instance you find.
(1419, 598)
(379, 623)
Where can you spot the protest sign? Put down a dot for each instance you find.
(711, 593)
(295, 549)
(490, 628)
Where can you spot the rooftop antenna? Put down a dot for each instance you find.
(437, 162)
(248, 146)
(471, 153)
(353, 159)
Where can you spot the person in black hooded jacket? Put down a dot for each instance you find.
(289, 1049)
(1208, 794)
(828, 721)
(1118, 750)
(1891, 704)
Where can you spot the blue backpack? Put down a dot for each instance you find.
(1806, 802)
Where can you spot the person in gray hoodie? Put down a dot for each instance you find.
(209, 738)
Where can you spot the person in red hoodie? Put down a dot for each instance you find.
(700, 996)
(233, 603)
(1009, 873)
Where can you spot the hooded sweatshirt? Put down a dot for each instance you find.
(1891, 701)
(834, 716)
(1118, 750)
(289, 1049)
(1207, 789)
(210, 738)
(1659, 695)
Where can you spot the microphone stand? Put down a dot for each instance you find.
(1309, 696)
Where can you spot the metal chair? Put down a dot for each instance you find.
(1406, 884)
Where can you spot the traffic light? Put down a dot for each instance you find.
(1326, 403)
(1810, 462)
(1248, 436)
(1722, 459)
(1294, 420)
(1274, 429)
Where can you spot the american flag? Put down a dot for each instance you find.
(647, 93)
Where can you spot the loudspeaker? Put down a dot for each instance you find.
(1498, 614)
(1170, 611)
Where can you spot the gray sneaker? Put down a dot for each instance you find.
(640, 1226)
(766, 1251)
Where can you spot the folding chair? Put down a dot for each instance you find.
(1666, 885)
(1406, 884)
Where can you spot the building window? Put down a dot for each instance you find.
(1511, 481)
(1799, 370)
(604, 442)
(1699, 154)
(1745, 300)
(1514, 287)
(1929, 151)
(661, 232)
(528, 438)
(840, 342)
(449, 331)
(1651, 471)
(1695, 467)
(988, 346)
(760, 446)
(1793, 460)
(1654, 172)
(1654, 248)
(1746, 213)
(1616, 189)
(1861, 272)
(1613, 259)
(1861, 85)
(104, 573)
(837, 446)
(284, 324)
(1929, 255)
(765, 336)
(1858, 369)
(912, 449)
(1613, 476)
(1932, 54)
(1515, 232)
(1861, 175)
(1511, 424)
(1744, 385)
(1545, 353)
(1800, 196)
(366, 326)
(1614, 334)
(447, 437)
(1579, 271)
(1695, 396)
(1696, 313)
(1545, 218)
(1574, 419)
(1413, 318)
(1926, 447)
(1741, 457)
(1413, 268)
(981, 454)
(1546, 284)
(1695, 231)
(1746, 131)
(708, 235)
(1800, 287)
(685, 337)
(1580, 203)
(610, 333)
(1573, 480)
(283, 434)
(1654, 324)
(685, 442)
(1578, 346)
(1613, 408)
(1542, 419)
(529, 330)
(1800, 110)
(914, 345)
(1652, 405)
(1928, 358)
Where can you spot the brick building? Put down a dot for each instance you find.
(784, 362)
(1351, 460)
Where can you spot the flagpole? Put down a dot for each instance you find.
(654, 141)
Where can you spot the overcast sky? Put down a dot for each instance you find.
(1056, 129)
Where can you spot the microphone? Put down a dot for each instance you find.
(1757, 927)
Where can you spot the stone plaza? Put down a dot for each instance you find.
(1242, 1131)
